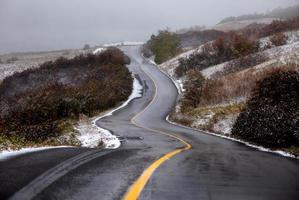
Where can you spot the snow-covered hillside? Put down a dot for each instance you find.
(170, 65)
(236, 25)
(276, 56)
(18, 62)
(220, 117)
(282, 54)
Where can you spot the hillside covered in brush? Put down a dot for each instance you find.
(220, 77)
(34, 103)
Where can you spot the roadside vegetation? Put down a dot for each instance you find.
(194, 38)
(223, 49)
(240, 46)
(243, 84)
(162, 46)
(259, 106)
(39, 104)
(271, 116)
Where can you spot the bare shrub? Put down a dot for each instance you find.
(279, 39)
(193, 86)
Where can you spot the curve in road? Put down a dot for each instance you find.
(135, 190)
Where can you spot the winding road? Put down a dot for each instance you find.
(157, 160)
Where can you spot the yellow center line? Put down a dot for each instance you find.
(135, 190)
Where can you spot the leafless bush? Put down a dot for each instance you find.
(279, 39)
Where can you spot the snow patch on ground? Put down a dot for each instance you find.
(202, 120)
(170, 65)
(293, 36)
(208, 72)
(225, 125)
(180, 84)
(99, 50)
(91, 135)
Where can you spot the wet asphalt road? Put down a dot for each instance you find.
(214, 168)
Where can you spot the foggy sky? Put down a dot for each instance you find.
(37, 25)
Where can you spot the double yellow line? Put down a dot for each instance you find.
(135, 190)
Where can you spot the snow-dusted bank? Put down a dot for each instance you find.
(91, 134)
(99, 50)
(179, 87)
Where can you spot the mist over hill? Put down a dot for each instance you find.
(34, 25)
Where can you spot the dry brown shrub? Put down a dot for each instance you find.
(236, 86)
(279, 39)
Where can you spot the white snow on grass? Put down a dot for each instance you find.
(170, 65)
(285, 54)
(203, 119)
(99, 50)
(293, 36)
(208, 72)
(91, 135)
(180, 84)
(11, 153)
(225, 125)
